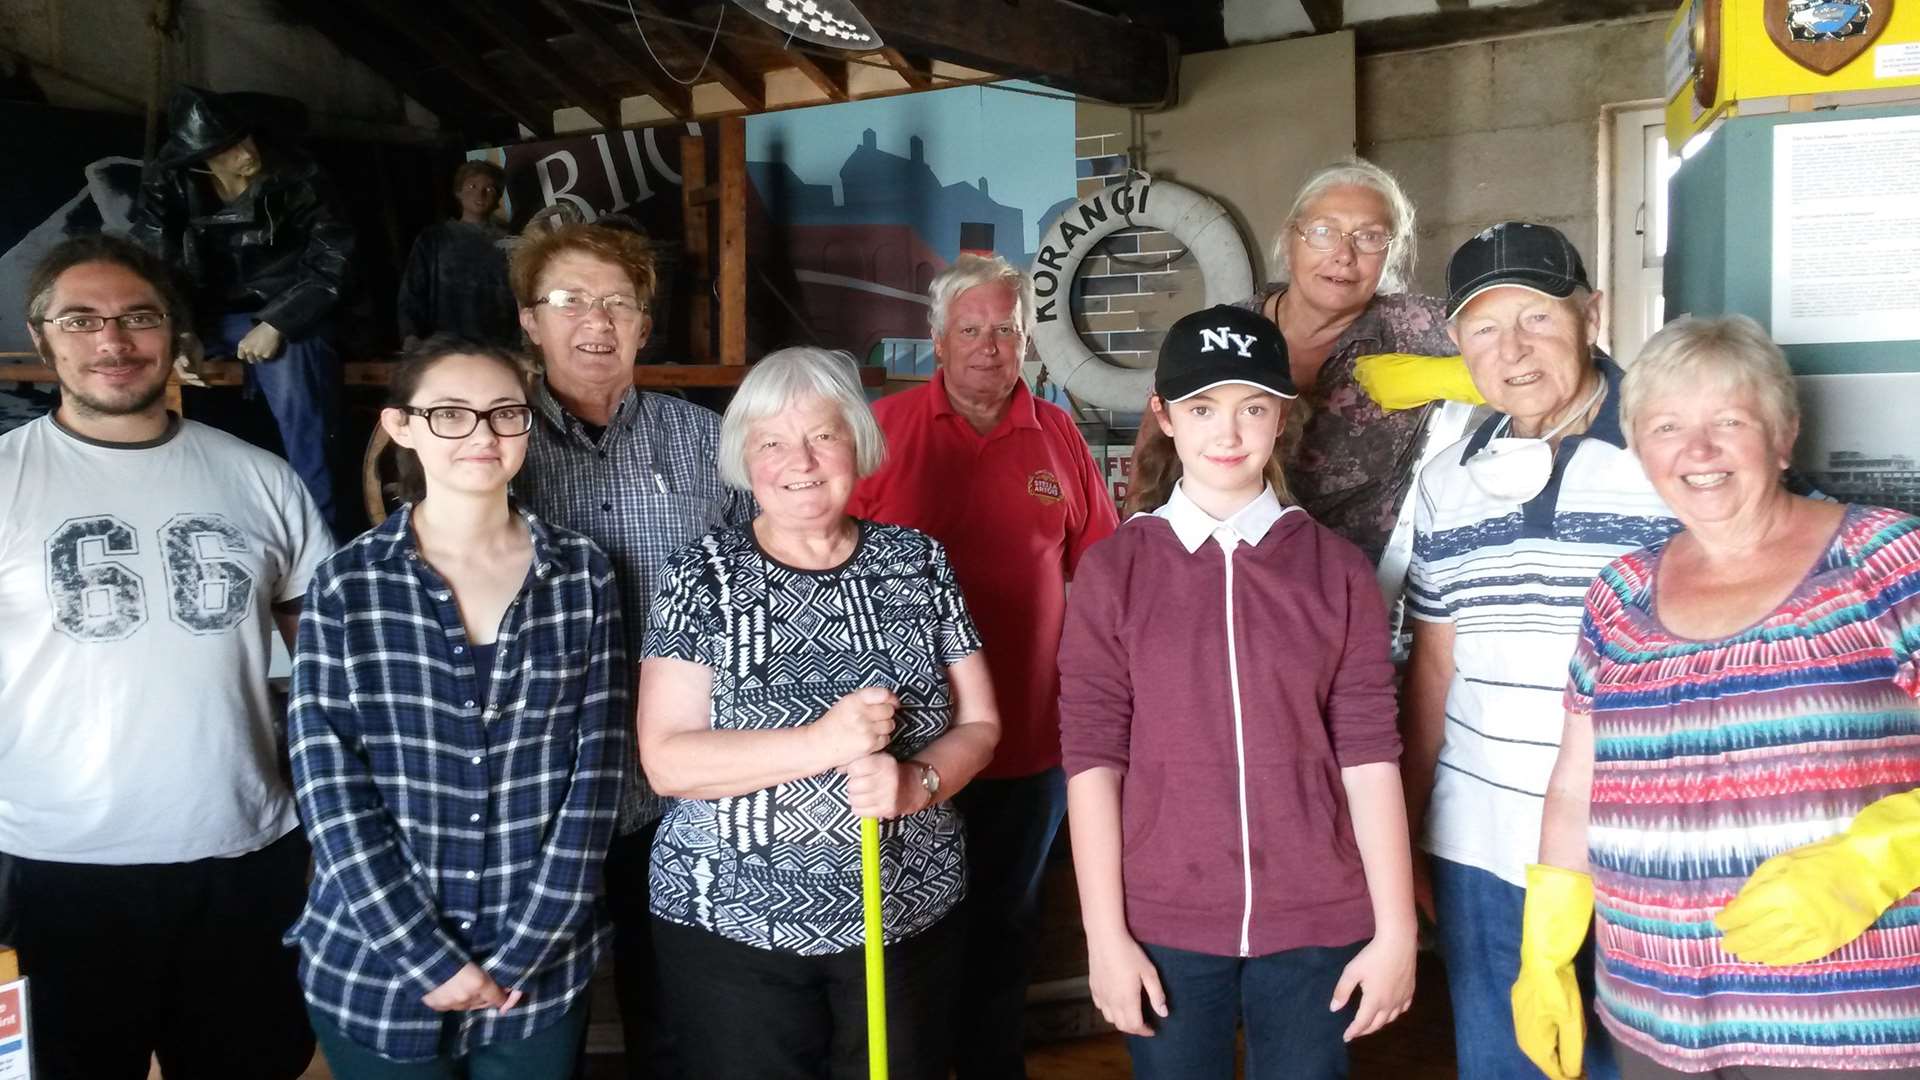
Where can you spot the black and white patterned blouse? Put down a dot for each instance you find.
(779, 868)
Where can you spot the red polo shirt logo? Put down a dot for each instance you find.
(1044, 486)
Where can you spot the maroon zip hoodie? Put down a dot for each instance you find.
(1147, 688)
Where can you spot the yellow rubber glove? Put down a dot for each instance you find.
(1405, 381)
(1548, 1020)
(1803, 904)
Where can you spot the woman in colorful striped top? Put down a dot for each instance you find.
(1740, 760)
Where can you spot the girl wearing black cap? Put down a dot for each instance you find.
(1238, 830)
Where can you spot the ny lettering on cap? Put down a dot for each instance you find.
(1223, 344)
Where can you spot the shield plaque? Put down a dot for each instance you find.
(1825, 35)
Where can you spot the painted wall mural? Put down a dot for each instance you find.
(853, 207)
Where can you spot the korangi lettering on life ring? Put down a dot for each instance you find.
(1200, 223)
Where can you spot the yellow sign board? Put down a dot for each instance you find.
(1723, 52)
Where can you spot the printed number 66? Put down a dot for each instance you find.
(98, 596)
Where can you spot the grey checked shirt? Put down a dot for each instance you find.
(649, 487)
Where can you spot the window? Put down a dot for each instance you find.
(1635, 208)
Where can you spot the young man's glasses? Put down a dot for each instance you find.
(81, 323)
(458, 421)
(1326, 238)
(575, 304)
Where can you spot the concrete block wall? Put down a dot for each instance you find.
(1501, 129)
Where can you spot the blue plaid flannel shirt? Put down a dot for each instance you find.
(647, 487)
(446, 832)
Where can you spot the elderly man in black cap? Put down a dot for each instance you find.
(1511, 526)
(257, 230)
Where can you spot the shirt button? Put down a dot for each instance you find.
(466, 925)
(476, 759)
(471, 875)
(606, 506)
(469, 703)
(458, 649)
(443, 596)
(473, 817)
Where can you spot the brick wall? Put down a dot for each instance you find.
(1134, 283)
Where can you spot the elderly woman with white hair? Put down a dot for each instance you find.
(801, 672)
(1344, 257)
(1734, 807)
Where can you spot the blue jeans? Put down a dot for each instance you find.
(302, 388)
(547, 1054)
(1010, 829)
(1281, 997)
(1479, 930)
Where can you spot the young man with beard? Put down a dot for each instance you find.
(150, 838)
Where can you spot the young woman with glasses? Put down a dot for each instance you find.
(459, 733)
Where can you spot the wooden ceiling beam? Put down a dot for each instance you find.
(451, 102)
(918, 76)
(818, 70)
(1055, 42)
(1326, 15)
(603, 37)
(722, 66)
(460, 62)
(1453, 27)
(523, 41)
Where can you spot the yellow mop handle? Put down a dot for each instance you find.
(876, 954)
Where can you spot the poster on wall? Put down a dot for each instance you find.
(1856, 438)
(16, 1045)
(1846, 231)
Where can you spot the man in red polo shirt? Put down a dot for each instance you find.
(1007, 484)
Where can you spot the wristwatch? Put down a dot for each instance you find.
(929, 779)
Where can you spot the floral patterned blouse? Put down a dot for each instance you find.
(1353, 461)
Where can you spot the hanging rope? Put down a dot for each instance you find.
(708, 59)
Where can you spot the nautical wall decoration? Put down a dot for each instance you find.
(1825, 35)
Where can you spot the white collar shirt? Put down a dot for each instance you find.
(1247, 525)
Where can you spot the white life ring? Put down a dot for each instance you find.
(1197, 221)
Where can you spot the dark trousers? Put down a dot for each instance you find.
(1281, 998)
(636, 975)
(741, 1011)
(302, 387)
(182, 960)
(1011, 825)
(547, 1054)
(1637, 1066)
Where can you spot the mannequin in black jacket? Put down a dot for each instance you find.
(261, 238)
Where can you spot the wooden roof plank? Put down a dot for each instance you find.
(460, 62)
(601, 36)
(1055, 42)
(722, 66)
(917, 75)
(522, 40)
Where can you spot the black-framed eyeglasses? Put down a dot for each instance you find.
(1327, 237)
(574, 304)
(87, 323)
(458, 421)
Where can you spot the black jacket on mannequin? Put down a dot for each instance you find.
(281, 251)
